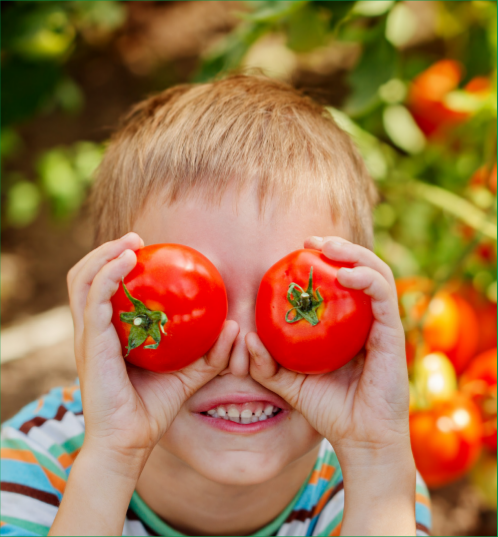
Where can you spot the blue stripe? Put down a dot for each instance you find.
(28, 474)
(423, 515)
(8, 529)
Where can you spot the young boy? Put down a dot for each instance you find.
(245, 170)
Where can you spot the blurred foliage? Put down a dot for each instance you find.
(38, 38)
(434, 213)
(421, 107)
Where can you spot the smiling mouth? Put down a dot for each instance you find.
(245, 413)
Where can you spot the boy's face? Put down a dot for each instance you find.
(243, 245)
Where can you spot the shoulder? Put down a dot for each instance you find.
(38, 447)
(319, 509)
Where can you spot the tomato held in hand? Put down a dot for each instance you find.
(446, 440)
(170, 309)
(307, 321)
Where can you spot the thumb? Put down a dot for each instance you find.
(265, 370)
(216, 360)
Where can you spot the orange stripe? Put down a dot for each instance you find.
(2, 523)
(336, 530)
(39, 405)
(326, 472)
(66, 459)
(26, 456)
(67, 394)
(58, 483)
(314, 477)
(323, 500)
(18, 455)
(420, 498)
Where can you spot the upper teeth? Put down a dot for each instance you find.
(259, 412)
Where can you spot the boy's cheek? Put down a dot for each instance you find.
(233, 459)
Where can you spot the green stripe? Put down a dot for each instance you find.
(73, 443)
(423, 490)
(333, 525)
(26, 525)
(40, 457)
(150, 518)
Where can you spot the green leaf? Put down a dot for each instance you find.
(306, 29)
(137, 336)
(23, 203)
(377, 65)
(273, 12)
(155, 334)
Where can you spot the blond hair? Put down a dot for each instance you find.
(197, 139)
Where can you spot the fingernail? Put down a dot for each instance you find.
(126, 235)
(317, 239)
(337, 243)
(347, 269)
(121, 254)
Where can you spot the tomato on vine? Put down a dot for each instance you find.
(170, 309)
(306, 319)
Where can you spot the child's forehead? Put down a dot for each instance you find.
(238, 218)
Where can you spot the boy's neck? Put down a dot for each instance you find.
(194, 505)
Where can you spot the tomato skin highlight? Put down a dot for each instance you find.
(188, 288)
(345, 316)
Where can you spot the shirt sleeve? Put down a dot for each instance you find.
(38, 447)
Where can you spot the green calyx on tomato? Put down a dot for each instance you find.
(303, 302)
(144, 323)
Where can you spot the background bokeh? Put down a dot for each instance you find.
(414, 83)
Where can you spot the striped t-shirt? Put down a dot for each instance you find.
(39, 446)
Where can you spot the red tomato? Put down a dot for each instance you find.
(479, 382)
(427, 93)
(486, 317)
(446, 440)
(452, 327)
(175, 310)
(307, 321)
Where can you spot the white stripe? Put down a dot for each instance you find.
(14, 434)
(294, 528)
(27, 508)
(134, 527)
(62, 430)
(329, 512)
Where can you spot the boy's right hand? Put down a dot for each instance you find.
(127, 409)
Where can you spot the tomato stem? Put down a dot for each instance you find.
(304, 303)
(144, 323)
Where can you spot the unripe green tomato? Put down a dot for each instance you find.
(434, 379)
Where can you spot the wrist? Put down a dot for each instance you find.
(118, 463)
(379, 491)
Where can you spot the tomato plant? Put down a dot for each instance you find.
(307, 321)
(170, 309)
(446, 440)
(479, 382)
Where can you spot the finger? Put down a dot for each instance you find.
(81, 276)
(98, 310)
(265, 370)
(216, 360)
(372, 283)
(339, 249)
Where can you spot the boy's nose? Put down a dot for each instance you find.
(243, 314)
(238, 366)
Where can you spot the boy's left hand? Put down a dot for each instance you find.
(361, 408)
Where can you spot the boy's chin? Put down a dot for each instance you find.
(240, 468)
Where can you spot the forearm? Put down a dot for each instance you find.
(97, 495)
(379, 496)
